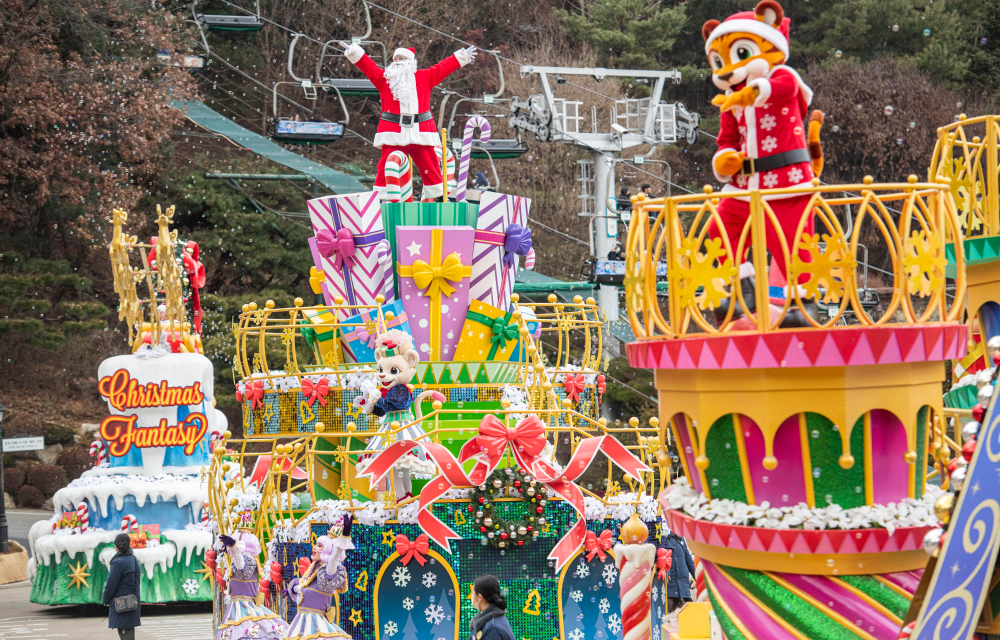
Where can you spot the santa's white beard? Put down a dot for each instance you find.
(402, 79)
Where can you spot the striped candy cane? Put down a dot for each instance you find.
(529, 260)
(398, 181)
(83, 517)
(451, 167)
(205, 515)
(463, 165)
(98, 450)
(129, 524)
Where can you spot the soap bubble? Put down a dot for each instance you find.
(927, 32)
(888, 110)
(899, 141)
(838, 53)
(858, 106)
(958, 105)
(836, 128)
(913, 125)
(982, 41)
(895, 27)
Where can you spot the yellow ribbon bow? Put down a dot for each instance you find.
(435, 278)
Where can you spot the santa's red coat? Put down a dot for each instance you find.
(390, 133)
(773, 124)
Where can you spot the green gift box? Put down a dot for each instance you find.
(428, 214)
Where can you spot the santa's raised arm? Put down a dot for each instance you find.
(407, 123)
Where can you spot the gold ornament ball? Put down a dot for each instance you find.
(320, 427)
(910, 457)
(578, 299)
(770, 463)
(298, 302)
(505, 404)
(269, 304)
(246, 308)
(436, 405)
(229, 484)
(514, 297)
(252, 306)
(654, 422)
(552, 298)
(233, 502)
(227, 434)
(942, 453)
(220, 450)
(351, 426)
(633, 422)
(225, 466)
(943, 507)
(846, 461)
(662, 458)
(701, 462)
(380, 298)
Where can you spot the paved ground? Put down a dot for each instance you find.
(20, 619)
(19, 522)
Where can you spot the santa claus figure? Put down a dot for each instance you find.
(407, 123)
(764, 141)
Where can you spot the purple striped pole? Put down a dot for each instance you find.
(463, 165)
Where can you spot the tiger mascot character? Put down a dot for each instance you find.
(764, 141)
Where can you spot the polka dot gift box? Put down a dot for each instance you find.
(434, 266)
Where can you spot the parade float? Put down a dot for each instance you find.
(151, 449)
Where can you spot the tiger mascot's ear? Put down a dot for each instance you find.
(708, 28)
(769, 12)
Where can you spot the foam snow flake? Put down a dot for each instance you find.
(610, 574)
(401, 576)
(408, 603)
(190, 586)
(575, 634)
(434, 613)
(429, 579)
(614, 623)
(576, 595)
(604, 605)
(769, 144)
(768, 122)
(582, 571)
(390, 628)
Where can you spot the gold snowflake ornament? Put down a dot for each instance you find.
(924, 263)
(709, 271)
(827, 269)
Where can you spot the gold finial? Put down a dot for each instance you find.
(380, 299)
(351, 426)
(654, 422)
(633, 422)
(320, 427)
(552, 298)
(577, 299)
(701, 462)
(252, 306)
(269, 304)
(707, 189)
(912, 178)
(868, 180)
(634, 531)
(299, 302)
(846, 461)
(515, 298)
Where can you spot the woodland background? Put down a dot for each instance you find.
(84, 128)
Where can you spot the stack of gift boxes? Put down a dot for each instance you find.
(445, 272)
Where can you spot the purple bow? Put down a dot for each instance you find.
(516, 242)
(339, 248)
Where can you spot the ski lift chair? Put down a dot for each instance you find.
(351, 86)
(229, 22)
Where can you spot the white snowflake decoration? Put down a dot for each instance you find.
(582, 571)
(769, 144)
(614, 623)
(741, 180)
(604, 605)
(576, 595)
(656, 593)
(401, 576)
(429, 579)
(770, 179)
(656, 632)
(434, 613)
(768, 122)
(575, 634)
(391, 628)
(610, 574)
(190, 586)
(795, 175)
(408, 603)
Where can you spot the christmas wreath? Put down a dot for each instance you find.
(498, 531)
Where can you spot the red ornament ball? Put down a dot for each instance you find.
(481, 500)
(470, 508)
(996, 358)
(952, 466)
(529, 528)
(968, 449)
(517, 483)
(520, 543)
(503, 535)
(978, 412)
(540, 509)
(482, 529)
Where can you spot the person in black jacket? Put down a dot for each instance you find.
(123, 579)
(681, 571)
(491, 621)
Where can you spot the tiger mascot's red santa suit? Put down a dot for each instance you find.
(407, 123)
(764, 140)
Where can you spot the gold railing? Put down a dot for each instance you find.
(278, 488)
(913, 221)
(967, 158)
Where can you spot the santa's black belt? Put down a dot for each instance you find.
(406, 121)
(777, 161)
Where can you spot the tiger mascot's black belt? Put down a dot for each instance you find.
(405, 121)
(777, 161)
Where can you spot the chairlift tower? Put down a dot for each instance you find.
(633, 122)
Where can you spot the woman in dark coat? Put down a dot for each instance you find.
(123, 579)
(491, 621)
(681, 571)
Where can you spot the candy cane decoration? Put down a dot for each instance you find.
(635, 572)
(463, 165)
(205, 515)
(129, 524)
(529, 260)
(398, 180)
(98, 449)
(83, 517)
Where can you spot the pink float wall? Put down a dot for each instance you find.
(890, 473)
(686, 450)
(783, 486)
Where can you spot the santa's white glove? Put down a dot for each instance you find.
(352, 52)
(467, 55)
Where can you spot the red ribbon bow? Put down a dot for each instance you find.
(304, 564)
(254, 392)
(338, 248)
(315, 391)
(601, 386)
(276, 572)
(415, 550)
(527, 439)
(597, 545)
(664, 558)
(573, 384)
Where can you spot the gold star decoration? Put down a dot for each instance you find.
(206, 574)
(355, 617)
(78, 576)
(546, 527)
(388, 537)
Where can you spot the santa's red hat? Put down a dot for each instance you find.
(767, 21)
(407, 52)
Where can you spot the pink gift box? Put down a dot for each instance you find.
(434, 266)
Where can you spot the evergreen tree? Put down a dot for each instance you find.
(445, 628)
(601, 628)
(572, 615)
(627, 34)
(409, 629)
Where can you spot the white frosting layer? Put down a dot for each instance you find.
(98, 489)
(182, 544)
(150, 557)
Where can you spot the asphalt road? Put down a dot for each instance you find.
(23, 620)
(19, 522)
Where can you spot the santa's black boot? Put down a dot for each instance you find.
(748, 286)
